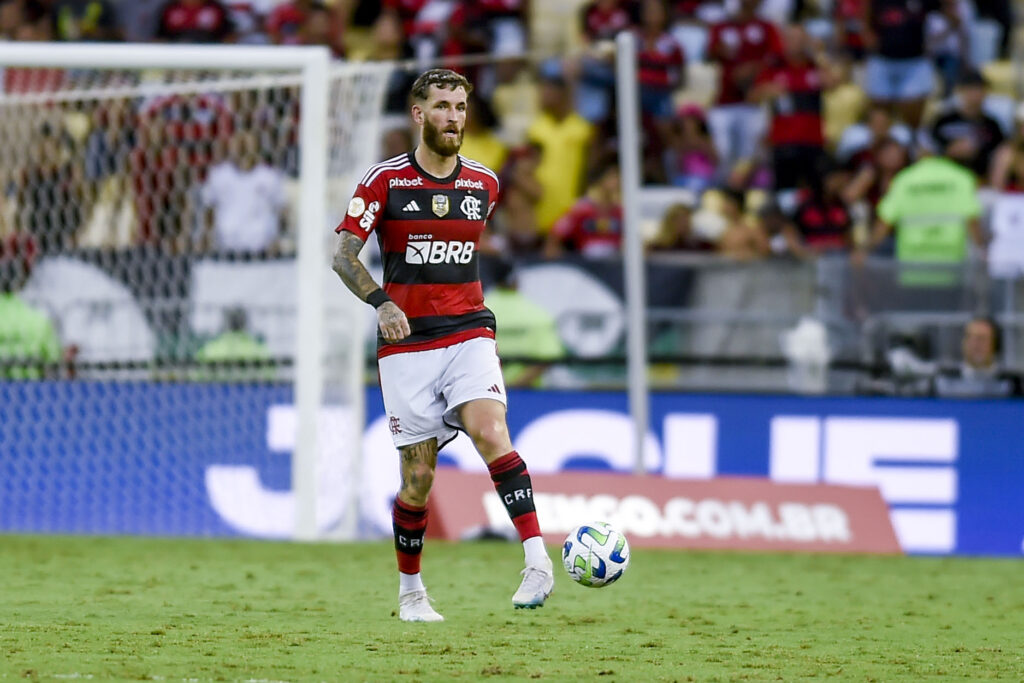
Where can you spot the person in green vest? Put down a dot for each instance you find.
(932, 205)
(235, 355)
(29, 348)
(525, 330)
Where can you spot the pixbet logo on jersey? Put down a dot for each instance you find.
(405, 182)
(466, 183)
(439, 251)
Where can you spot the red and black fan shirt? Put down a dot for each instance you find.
(429, 230)
(742, 45)
(797, 114)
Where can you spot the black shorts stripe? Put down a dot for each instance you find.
(398, 271)
(425, 328)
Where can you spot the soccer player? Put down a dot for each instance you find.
(439, 371)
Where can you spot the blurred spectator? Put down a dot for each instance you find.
(515, 221)
(444, 28)
(660, 61)
(504, 23)
(284, 22)
(947, 36)
(593, 226)
(875, 172)
(27, 338)
(564, 138)
(859, 142)
(822, 222)
(25, 20)
(173, 139)
(322, 26)
(1006, 173)
(691, 158)
(979, 374)
(967, 134)
(898, 73)
(247, 199)
(51, 203)
(195, 21)
(525, 330)
(307, 22)
(793, 88)
(675, 232)
(479, 141)
(1000, 11)
(248, 19)
(601, 20)
(848, 22)
(405, 10)
(933, 208)
(842, 103)
(235, 355)
(389, 45)
(741, 239)
(82, 20)
(742, 47)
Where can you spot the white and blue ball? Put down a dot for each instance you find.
(595, 554)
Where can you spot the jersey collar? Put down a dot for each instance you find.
(440, 181)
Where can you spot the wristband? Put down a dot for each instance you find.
(377, 298)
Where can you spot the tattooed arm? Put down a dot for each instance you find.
(394, 326)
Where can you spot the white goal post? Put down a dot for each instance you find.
(314, 71)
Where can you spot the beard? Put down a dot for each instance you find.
(436, 143)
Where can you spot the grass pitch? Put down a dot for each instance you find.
(126, 608)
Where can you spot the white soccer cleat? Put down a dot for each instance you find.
(415, 606)
(537, 585)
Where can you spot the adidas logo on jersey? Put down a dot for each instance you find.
(440, 251)
(411, 206)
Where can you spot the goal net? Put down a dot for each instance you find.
(176, 356)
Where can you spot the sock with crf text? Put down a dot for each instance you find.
(410, 524)
(512, 482)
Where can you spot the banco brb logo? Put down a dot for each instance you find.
(439, 251)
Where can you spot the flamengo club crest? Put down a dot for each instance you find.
(471, 207)
(439, 205)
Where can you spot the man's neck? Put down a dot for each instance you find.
(433, 163)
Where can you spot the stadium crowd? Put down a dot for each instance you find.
(784, 121)
(786, 128)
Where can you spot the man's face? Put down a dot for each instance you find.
(443, 117)
(979, 347)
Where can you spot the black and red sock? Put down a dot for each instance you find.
(410, 524)
(512, 481)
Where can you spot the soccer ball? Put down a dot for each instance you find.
(595, 554)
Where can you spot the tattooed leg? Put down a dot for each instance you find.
(418, 463)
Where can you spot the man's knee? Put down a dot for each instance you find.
(490, 434)
(419, 477)
(418, 462)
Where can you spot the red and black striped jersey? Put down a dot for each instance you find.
(429, 230)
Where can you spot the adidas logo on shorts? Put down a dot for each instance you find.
(411, 206)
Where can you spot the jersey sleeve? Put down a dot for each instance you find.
(364, 210)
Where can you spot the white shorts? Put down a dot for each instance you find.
(423, 389)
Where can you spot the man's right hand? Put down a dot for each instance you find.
(393, 324)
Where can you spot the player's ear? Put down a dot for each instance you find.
(417, 114)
